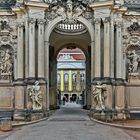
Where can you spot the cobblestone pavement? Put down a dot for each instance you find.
(67, 124)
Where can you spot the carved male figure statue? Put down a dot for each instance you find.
(133, 61)
(5, 64)
(99, 96)
(69, 9)
(35, 94)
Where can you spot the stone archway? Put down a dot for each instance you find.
(49, 30)
(77, 86)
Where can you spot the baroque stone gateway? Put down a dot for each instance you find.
(32, 33)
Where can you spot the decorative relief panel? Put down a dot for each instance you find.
(8, 45)
(69, 10)
(133, 51)
(6, 63)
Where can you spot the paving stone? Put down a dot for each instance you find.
(68, 124)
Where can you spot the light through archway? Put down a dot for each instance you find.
(71, 76)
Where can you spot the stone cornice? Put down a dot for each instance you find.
(37, 4)
(119, 9)
(97, 5)
(6, 13)
(20, 9)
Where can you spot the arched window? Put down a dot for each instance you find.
(58, 78)
(66, 77)
(82, 77)
(74, 77)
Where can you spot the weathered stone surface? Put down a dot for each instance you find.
(6, 97)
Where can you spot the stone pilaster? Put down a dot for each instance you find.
(112, 48)
(47, 72)
(20, 52)
(97, 54)
(26, 49)
(92, 59)
(106, 48)
(19, 86)
(41, 49)
(119, 55)
(32, 48)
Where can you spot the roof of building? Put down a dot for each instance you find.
(71, 54)
(6, 4)
(70, 57)
(132, 4)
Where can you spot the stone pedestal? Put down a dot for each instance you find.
(133, 78)
(19, 100)
(6, 124)
(132, 96)
(119, 102)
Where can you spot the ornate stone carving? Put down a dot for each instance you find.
(32, 20)
(134, 28)
(119, 2)
(106, 20)
(6, 63)
(69, 10)
(20, 24)
(4, 25)
(36, 96)
(133, 60)
(41, 21)
(118, 24)
(97, 21)
(99, 96)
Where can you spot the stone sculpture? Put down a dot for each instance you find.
(5, 64)
(99, 95)
(133, 61)
(36, 96)
(68, 10)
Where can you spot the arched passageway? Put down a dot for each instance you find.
(69, 37)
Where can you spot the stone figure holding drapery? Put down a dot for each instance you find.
(35, 95)
(99, 95)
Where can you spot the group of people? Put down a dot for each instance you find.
(72, 99)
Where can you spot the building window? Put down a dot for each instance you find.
(66, 77)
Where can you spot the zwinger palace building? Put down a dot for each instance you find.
(33, 34)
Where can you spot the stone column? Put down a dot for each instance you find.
(32, 48)
(92, 59)
(26, 49)
(62, 80)
(41, 49)
(70, 81)
(47, 72)
(97, 50)
(112, 48)
(119, 56)
(20, 53)
(19, 87)
(106, 48)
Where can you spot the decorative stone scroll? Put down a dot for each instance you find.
(99, 96)
(36, 96)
